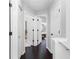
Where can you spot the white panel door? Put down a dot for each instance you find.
(39, 29)
(14, 21)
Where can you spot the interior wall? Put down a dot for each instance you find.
(68, 19)
(55, 20)
(21, 32)
(58, 20)
(53, 23)
(63, 19)
(28, 16)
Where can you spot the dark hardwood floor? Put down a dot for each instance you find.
(38, 52)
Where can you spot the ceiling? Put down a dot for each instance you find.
(37, 5)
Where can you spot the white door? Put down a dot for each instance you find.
(39, 30)
(14, 29)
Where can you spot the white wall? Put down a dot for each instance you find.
(55, 19)
(21, 33)
(59, 21)
(53, 22)
(68, 19)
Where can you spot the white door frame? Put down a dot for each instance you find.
(14, 27)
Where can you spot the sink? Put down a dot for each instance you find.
(37, 5)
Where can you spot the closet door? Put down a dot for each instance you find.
(35, 31)
(39, 29)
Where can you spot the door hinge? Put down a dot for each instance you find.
(10, 33)
(10, 4)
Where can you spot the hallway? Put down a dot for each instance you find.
(38, 52)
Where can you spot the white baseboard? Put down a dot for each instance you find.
(49, 50)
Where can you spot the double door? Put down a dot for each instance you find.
(34, 26)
